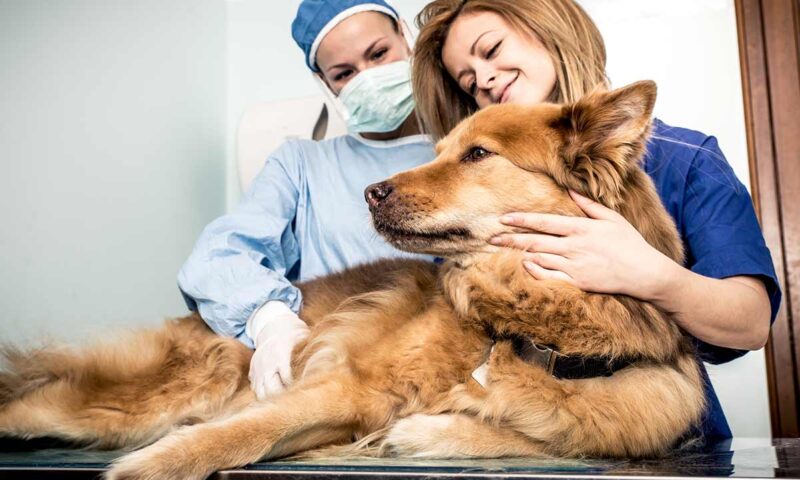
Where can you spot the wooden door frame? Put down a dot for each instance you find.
(769, 51)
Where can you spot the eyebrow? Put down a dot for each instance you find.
(471, 52)
(367, 54)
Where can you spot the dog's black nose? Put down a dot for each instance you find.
(377, 192)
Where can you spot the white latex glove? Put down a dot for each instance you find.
(275, 329)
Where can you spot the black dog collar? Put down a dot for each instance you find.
(566, 367)
(560, 366)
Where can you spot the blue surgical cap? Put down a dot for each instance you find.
(315, 18)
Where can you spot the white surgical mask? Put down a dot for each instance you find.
(378, 99)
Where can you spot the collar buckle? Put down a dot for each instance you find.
(537, 354)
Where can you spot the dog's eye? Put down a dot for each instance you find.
(475, 154)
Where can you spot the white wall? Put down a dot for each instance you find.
(688, 47)
(112, 151)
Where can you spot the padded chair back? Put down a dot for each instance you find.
(266, 125)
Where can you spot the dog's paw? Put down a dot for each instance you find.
(156, 462)
(420, 436)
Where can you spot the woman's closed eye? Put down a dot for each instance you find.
(342, 75)
(379, 54)
(472, 88)
(493, 51)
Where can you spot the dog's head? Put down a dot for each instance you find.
(509, 158)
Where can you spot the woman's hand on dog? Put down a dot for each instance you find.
(602, 253)
(275, 330)
(605, 254)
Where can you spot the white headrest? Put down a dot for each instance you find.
(266, 125)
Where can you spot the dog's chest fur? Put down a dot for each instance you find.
(401, 336)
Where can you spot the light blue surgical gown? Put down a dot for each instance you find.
(304, 216)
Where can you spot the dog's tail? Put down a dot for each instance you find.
(124, 394)
(21, 372)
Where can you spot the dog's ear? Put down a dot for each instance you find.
(604, 135)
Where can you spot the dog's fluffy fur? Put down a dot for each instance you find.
(393, 344)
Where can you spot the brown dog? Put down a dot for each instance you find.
(393, 345)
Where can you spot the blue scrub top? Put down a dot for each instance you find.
(717, 223)
(304, 216)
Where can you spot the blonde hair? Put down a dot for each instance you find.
(564, 28)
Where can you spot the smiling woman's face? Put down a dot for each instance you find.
(359, 42)
(496, 63)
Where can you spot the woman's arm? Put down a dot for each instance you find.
(241, 259)
(605, 254)
(733, 312)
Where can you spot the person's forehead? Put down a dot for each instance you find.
(354, 33)
(463, 33)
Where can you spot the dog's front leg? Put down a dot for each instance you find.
(302, 418)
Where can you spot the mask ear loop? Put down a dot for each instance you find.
(410, 38)
(331, 98)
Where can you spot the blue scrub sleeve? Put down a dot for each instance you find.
(722, 232)
(241, 259)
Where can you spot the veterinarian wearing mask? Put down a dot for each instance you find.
(305, 214)
(475, 53)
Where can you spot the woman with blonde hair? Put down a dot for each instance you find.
(563, 29)
(474, 53)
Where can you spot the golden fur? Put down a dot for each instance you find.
(393, 344)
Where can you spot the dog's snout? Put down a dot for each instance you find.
(377, 192)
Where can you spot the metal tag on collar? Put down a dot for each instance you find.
(481, 374)
(539, 355)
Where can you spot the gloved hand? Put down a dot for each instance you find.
(275, 330)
